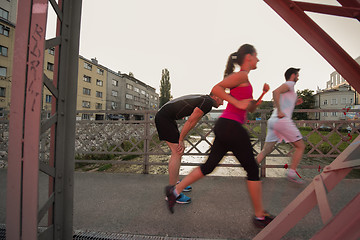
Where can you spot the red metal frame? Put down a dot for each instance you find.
(295, 16)
(14, 181)
(343, 225)
(25, 122)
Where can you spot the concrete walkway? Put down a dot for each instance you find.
(134, 204)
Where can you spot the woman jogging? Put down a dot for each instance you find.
(230, 135)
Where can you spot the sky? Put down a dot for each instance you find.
(193, 39)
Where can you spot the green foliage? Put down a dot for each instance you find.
(324, 147)
(165, 87)
(104, 167)
(309, 101)
(263, 105)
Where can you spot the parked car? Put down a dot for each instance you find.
(115, 117)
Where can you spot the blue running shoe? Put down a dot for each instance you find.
(183, 199)
(187, 189)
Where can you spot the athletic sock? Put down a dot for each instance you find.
(175, 192)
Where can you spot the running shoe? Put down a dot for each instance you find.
(181, 199)
(187, 189)
(263, 223)
(294, 178)
(170, 197)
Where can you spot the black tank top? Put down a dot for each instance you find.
(184, 106)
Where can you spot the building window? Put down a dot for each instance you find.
(325, 102)
(4, 14)
(98, 94)
(2, 71)
(343, 100)
(3, 51)
(334, 114)
(4, 30)
(325, 114)
(51, 51)
(99, 82)
(129, 96)
(114, 93)
(115, 83)
(351, 101)
(136, 89)
(128, 106)
(98, 106)
(48, 98)
(113, 105)
(86, 91)
(136, 98)
(100, 71)
(87, 66)
(2, 92)
(333, 101)
(155, 98)
(85, 116)
(151, 97)
(143, 92)
(129, 86)
(87, 79)
(86, 104)
(50, 66)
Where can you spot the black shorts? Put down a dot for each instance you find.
(167, 128)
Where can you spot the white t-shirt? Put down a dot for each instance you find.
(287, 101)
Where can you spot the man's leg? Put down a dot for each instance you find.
(174, 163)
(299, 150)
(268, 147)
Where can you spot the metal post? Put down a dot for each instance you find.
(147, 143)
(14, 173)
(65, 138)
(263, 124)
(26, 161)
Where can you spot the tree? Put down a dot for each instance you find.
(309, 101)
(263, 105)
(165, 87)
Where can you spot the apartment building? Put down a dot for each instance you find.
(91, 92)
(47, 97)
(7, 37)
(336, 98)
(337, 80)
(125, 92)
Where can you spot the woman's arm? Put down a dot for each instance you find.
(231, 81)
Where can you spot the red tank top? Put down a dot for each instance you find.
(234, 113)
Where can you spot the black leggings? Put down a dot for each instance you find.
(230, 135)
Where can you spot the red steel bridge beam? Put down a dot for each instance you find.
(315, 194)
(293, 13)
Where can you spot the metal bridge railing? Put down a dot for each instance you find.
(135, 142)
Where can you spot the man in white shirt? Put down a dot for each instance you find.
(282, 127)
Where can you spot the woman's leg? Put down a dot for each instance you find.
(243, 151)
(216, 154)
(255, 192)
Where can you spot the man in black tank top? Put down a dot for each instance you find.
(192, 106)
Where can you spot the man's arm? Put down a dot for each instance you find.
(276, 96)
(194, 118)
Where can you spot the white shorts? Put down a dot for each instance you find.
(282, 129)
